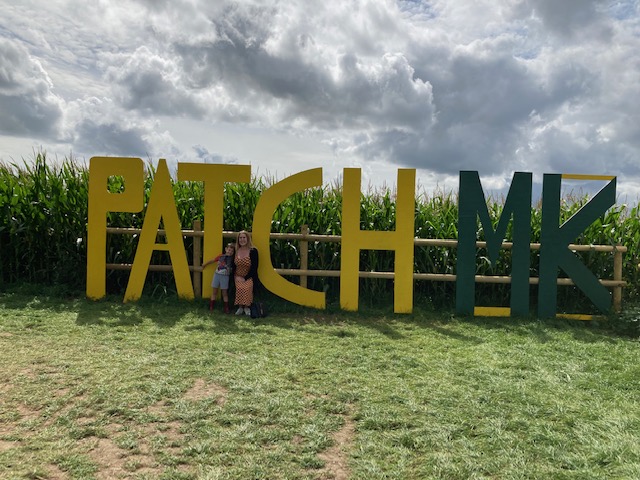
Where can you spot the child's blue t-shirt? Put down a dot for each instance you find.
(224, 265)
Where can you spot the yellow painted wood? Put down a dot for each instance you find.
(577, 176)
(492, 311)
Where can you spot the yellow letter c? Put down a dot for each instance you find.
(262, 217)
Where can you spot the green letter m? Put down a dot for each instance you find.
(471, 204)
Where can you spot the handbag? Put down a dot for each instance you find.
(258, 310)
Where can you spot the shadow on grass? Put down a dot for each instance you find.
(168, 312)
(113, 312)
(455, 335)
(542, 329)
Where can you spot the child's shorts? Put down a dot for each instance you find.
(220, 281)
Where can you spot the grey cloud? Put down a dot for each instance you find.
(27, 105)
(156, 5)
(239, 38)
(463, 146)
(151, 84)
(497, 91)
(485, 104)
(354, 92)
(564, 154)
(239, 60)
(482, 104)
(434, 107)
(205, 156)
(568, 18)
(110, 139)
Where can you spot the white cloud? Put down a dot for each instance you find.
(27, 103)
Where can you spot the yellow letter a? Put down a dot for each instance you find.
(161, 206)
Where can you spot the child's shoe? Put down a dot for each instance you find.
(225, 308)
(212, 303)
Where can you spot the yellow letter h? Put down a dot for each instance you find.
(401, 241)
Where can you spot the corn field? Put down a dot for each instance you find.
(43, 229)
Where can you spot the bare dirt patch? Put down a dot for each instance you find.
(336, 457)
(55, 473)
(4, 445)
(62, 392)
(202, 390)
(166, 434)
(158, 409)
(27, 373)
(114, 462)
(7, 428)
(27, 413)
(141, 444)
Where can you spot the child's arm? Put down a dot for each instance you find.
(211, 261)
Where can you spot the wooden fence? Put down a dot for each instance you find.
(304, 237)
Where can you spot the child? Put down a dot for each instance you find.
(222, 275)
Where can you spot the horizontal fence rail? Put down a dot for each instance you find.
(616, 284)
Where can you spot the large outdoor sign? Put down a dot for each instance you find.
(161, 209)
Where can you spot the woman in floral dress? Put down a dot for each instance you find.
(246, 272)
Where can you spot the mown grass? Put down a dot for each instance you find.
(167, 390)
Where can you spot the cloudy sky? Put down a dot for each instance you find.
(543, 86)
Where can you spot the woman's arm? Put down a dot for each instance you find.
(253, 269)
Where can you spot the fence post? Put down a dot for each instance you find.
(304, 254)
(197, 255)
(617, 275)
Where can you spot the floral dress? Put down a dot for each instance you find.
(244, 290)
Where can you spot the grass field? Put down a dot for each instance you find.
(167, 390)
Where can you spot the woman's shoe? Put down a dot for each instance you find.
(247, 311)
(240, 311)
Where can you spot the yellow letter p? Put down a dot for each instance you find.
(102, 201)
